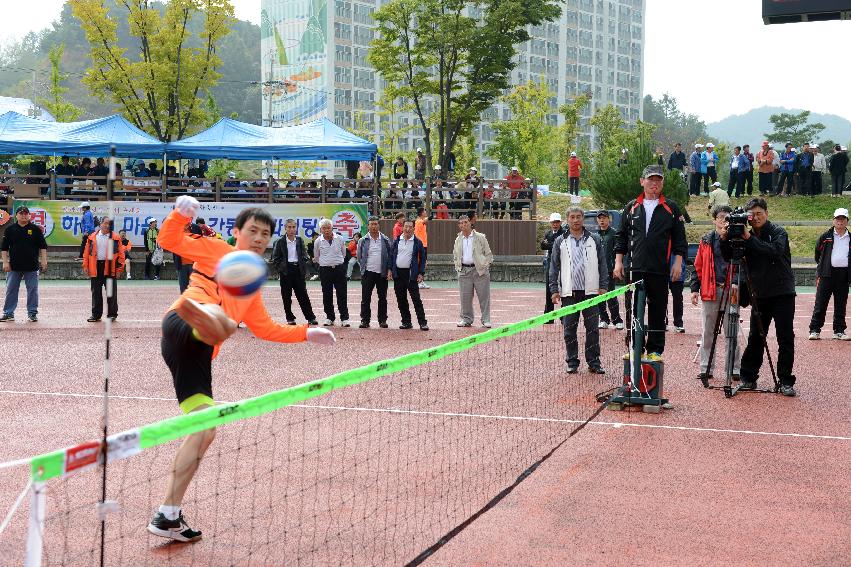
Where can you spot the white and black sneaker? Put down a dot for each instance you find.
(172, 529)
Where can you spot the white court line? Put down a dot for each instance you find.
(615, 424)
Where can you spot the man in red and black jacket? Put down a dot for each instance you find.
(652, 232)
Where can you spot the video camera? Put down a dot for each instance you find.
(738, 224)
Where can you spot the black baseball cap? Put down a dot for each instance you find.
(22, 209)
(603, 213)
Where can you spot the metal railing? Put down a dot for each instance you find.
(486, 198)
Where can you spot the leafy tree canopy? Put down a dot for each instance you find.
(450, 66)
(164, 91)
(672, 125)
(793, 128)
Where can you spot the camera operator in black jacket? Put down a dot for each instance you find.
(772, 294)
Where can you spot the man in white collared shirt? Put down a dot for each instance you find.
(473, 257)
(290, 258)
(408, 264)
(329, 251)
(373, 255)
(833, 250)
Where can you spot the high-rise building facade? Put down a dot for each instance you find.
(314, 61)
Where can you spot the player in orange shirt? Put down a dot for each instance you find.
(194, 328)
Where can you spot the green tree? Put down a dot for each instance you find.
(672, 125)
(608, 122)
(448, 65)
(793, 128)
(162, 91)
(526, 139)
(55, 103)
(569, 130)
(613, 185)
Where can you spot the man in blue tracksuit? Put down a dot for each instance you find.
(804, 169)
(87, 226)
(740, 167)
(694, 167)
(786, 183)
(709, 166)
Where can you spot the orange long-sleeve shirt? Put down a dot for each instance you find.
(206, 253)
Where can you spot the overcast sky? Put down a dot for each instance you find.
(716, 58)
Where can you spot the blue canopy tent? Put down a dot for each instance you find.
(20, 134)
(317, 140)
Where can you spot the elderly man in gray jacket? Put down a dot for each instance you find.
(578, 271)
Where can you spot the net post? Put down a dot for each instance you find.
(35, 531)
(639, 302)
(107, 371)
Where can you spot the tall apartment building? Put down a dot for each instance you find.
(317, 53)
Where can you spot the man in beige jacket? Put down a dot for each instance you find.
(473, 257)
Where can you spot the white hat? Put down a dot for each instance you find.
(474, 169)
(85, 204)
(572, 154)
(840, 212)
(710, 145)
(231, 175)
(698, 145)
(555, 217)
(149, 220)
(438, 167)
(419, 150)
(717, 184)
(624, 150)
(292, 174)
(514, 168)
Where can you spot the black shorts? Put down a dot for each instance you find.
(190, 362)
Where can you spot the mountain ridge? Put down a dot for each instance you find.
(751, 126)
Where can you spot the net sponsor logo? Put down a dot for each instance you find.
(228, 410)
(123, 445)
(81, 456)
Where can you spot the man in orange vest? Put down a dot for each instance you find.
(103, 260)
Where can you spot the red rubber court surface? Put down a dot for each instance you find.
(759, 479)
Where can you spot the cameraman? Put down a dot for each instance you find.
(769, 262)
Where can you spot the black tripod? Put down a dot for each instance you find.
(732, 329)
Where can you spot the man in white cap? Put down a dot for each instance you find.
(717, 197)
(149, 238)
(515, 186)
(556, 230)
(231, 181)
(833, 250)
(694, 170)
(419, 165)
(709, 166)
(574, 168)
(87, 226)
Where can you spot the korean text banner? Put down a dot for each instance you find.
(60, 220)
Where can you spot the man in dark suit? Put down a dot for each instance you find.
(290, 259)
(408, 262)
